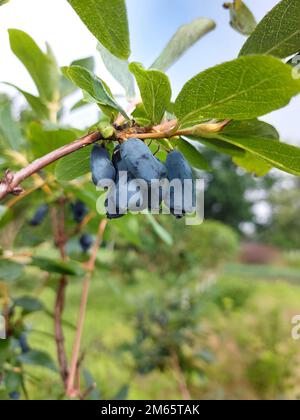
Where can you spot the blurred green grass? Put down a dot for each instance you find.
(242, 308)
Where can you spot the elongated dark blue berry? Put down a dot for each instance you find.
(79, 210)
(141, 162)
(39, 216)
(182, 196)
(24, 344)
(86, 241)
(14, 395)
(101, 166)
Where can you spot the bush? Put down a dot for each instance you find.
(212, 243)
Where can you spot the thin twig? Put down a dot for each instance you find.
(11, 182)
(71, 389)
(180, 377)
(58, 222)
(86, 393)
(59, 335)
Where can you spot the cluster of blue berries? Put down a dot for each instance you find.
(145, 174)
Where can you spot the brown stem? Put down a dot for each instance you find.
(59, 334)
(71, 389)
(180, 377)
(11, 182)
(58, 223)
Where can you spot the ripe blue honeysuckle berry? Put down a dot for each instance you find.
(101, 166)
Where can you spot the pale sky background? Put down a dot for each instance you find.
(152, 23)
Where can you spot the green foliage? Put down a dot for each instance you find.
(278, 33)
(164, 327)
(94, 87)
(157, 268)
(41, 67)
(10, 132)
(211, 244)
(74, 166)
(262, 151)
(282, 230)
(56, 266)
(10, 270)
(107, 20)
(279, 155)
(162, 233)
(37, 105)
(241, 17)
(37, 358)
(65, 85)
(185, 38)
(44, 140)
(241, 89)
(155, 90)
(119, 70)
(193, 155)
(223, 202)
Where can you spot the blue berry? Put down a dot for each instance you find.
(39, 216)
(141, 162)
(86, 241)
(101, 166)
(79, 210)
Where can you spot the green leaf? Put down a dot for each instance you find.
(122, 394)
(74, 166)
(155, 91)
(253, 128)
(185, 38)
(129, 228)
(193, 155)
(29, 304)
(278, 33)
(10, 270)
(79, 104)
(37, 358)
(86, 62)
(107, 21)
(90, 384)
(140, 116)
(12, 380)
(37, 105)
(4, 351)
(6, 216)
(3, 211)
(241, 89)
(42, 67)
(119, 70)
(93, 86)
(261, 147)
(44, 140)
(70, 268)
(279, 155)
(219, 146)
(3, 2)
(253, 164)
(160, 231)
(10, 131)
(241, 17)
(66, 87)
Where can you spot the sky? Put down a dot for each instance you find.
(152, 24)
